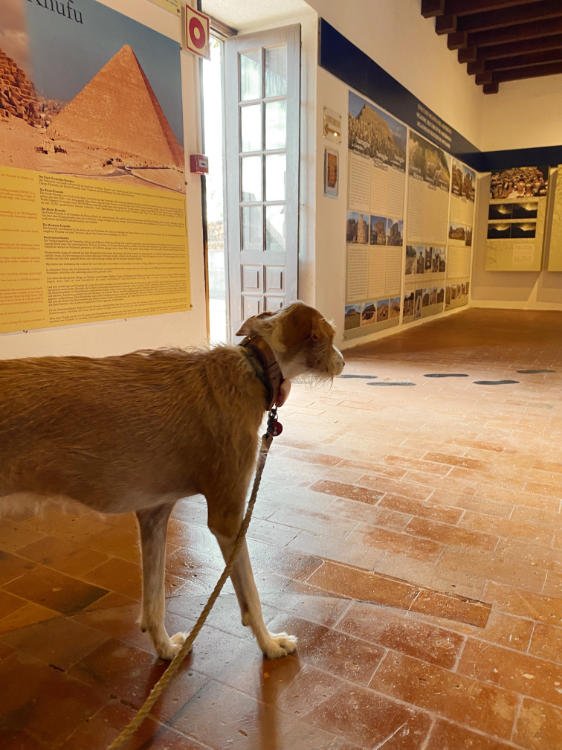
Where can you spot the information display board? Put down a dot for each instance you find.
(516, 219)
(409, 224)
(92, 185)
(375, 219)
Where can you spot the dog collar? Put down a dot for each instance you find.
(266, 367)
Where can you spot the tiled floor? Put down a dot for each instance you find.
(410, 536)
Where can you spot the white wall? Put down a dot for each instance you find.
(394, 34)
(331, 212)
(173, 329)
(523, 114)
(539, 290)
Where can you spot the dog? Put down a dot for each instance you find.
(137, 432)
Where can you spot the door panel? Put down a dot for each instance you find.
(262, 73)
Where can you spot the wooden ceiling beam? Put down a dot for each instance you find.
(457, 40)
(491, 88)
(514, 33)
(445, 24)
(468, 54)
(479, 66)
(523, 61)
(486, 77)
(431, 8)
(548, 69)
(500, 19)
(469, 7)
(496, 52)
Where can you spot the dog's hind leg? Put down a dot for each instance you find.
(153, 523)
(273, 645)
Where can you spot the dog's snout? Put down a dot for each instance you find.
(338, 362)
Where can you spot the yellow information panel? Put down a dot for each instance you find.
(75, 250)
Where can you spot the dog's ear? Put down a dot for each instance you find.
(252, 325)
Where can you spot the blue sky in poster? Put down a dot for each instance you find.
(66, 54)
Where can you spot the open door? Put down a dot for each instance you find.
(262, 98)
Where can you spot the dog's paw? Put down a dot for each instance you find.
(280, 645)
(168, 650)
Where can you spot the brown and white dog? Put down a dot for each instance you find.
(137, 432)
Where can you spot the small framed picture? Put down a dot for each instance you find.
(331, 172)
(332, 125)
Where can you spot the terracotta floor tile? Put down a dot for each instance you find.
(453, 696)
(533, 555)
(102, 728)
(467, 501)
(447, 736)
(547, 642)
(117, 669)
(506, 569)
(19, 741)
(55, 590)
(24, 616)
(244, 722)
(416, 508)
(117, 575)
(539, 726)
(524, 603)
(372, 467)
(57, 553)
(402, 633)
(451, 607)
(41, 700)
(313, 520)
(374, 515)
(308, 688)
(376, 537)
(511, 527)
(12, 566)
(450, 535)
(512, 632)
(512, 670)
(452, 460)
(553, 584)
(350, 491)
(9, 603)
(58, 642)
(360, 584)
(397, 487)
(312, 457)
(416, 464)
(15, 534)
(338, 653)
(371, 720)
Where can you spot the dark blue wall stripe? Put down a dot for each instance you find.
(488, 161)
(347, 62)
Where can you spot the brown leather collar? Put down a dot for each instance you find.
(267, 369)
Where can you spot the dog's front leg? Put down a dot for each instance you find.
(273, 645)
(153, 523)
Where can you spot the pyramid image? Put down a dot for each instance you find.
(118, 109)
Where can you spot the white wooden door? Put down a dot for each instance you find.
(262, 100)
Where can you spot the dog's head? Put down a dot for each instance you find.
(301, 339)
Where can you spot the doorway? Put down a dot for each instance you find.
(251, 134)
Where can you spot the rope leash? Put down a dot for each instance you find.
(273, 428)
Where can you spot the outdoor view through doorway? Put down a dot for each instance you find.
(214, 138)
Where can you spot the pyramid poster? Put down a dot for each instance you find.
(92, 184)
(89, 92)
